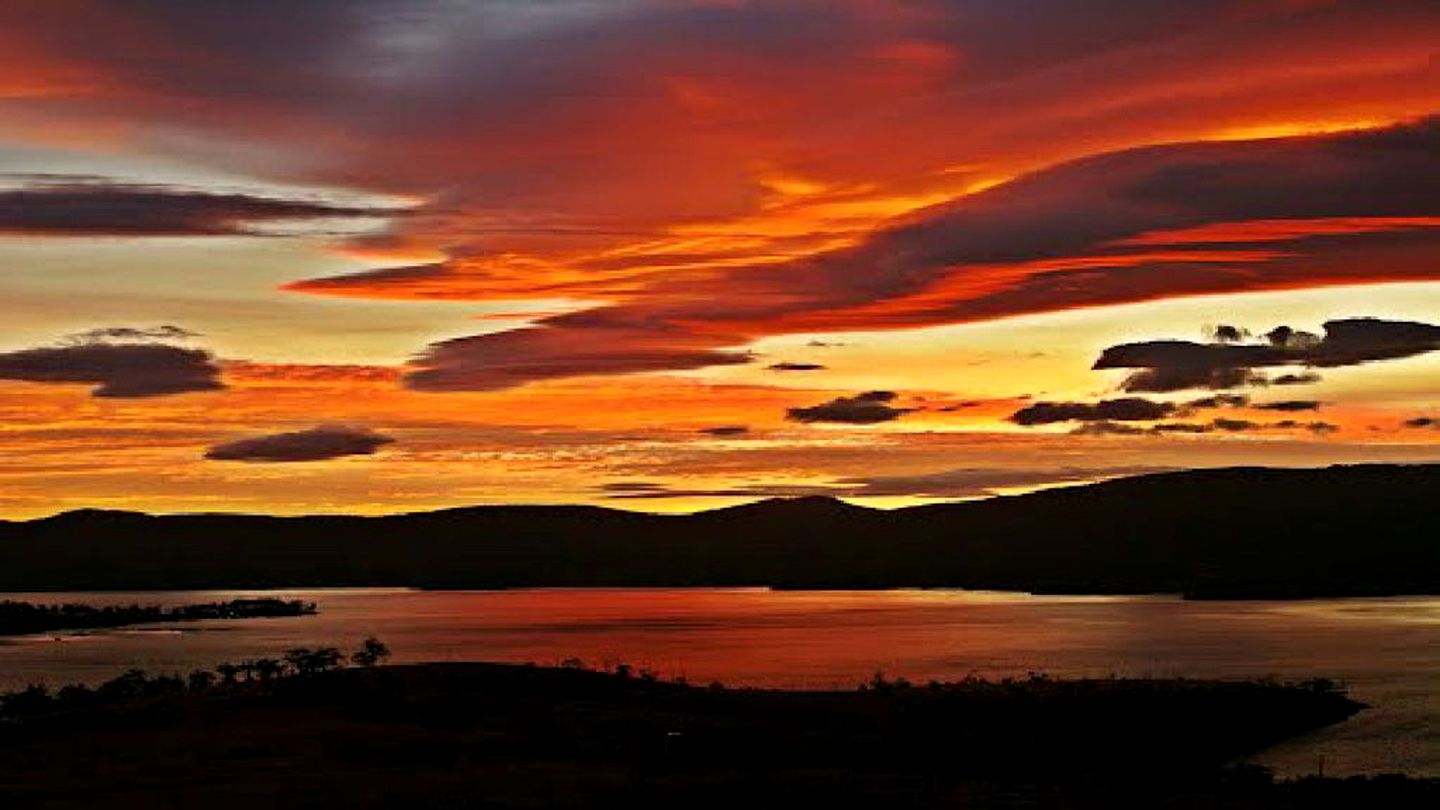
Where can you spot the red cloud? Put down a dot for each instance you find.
(710, 173)
(1053, 240)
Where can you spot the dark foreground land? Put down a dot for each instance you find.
(511, 736)
(19, 618)
(1242, 532)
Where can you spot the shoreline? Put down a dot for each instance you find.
(727, 587)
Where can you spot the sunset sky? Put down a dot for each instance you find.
(387, 255)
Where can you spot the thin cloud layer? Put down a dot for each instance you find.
(506, 359)
(1217, 425)
(964, 482)
(1290, 405)
(789, 366)
(972, 482)
(313, 444)
(132, 334)
(111, 208)
(117, 370)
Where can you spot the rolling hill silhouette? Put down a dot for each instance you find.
(1236, 532)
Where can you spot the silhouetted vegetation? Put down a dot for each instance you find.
(36, 700)
(372, 651)
(1243, 532)
(484, 735)
(18, 618)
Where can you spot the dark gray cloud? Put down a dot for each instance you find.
(1234, 425)
(118, 370)
(1290, 405)
(313, 444)
(1318, 428)
(1181, 427)
(1302, 378)
(1172, 365)
(1105, 427)
(1423, 422)
(1228, 334)
(110, 208)
(795, 367)
(862, 409)
(1354, 341)
(726, 430)
(1127, 409)
(1180, 378)
(1219, 401)
(630, 488)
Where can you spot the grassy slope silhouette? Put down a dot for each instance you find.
(487, 735)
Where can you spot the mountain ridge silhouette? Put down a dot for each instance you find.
(1239, 531)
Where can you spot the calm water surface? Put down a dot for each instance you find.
(1386, 650)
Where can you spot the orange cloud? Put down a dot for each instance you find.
(1360, 207)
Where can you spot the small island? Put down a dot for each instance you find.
(22, 618)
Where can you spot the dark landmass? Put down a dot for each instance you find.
(503, 736)
(1237, 532)
(19, 618)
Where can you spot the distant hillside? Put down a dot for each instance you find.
(1357, 530)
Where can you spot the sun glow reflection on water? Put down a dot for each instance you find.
(1386, 650)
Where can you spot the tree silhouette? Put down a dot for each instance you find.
(372, 651)
(305, 661)
(268, 668)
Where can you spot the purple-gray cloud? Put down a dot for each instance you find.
(506, 359)
(111, 208)
(1290, 405)
(868, 408)
(1127, 409)
(313, 444)
(117, 370)
(964, 482)
(1172, 365)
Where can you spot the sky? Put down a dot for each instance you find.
(376, 256)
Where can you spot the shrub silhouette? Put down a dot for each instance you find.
(372, 651)
(305, 661)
